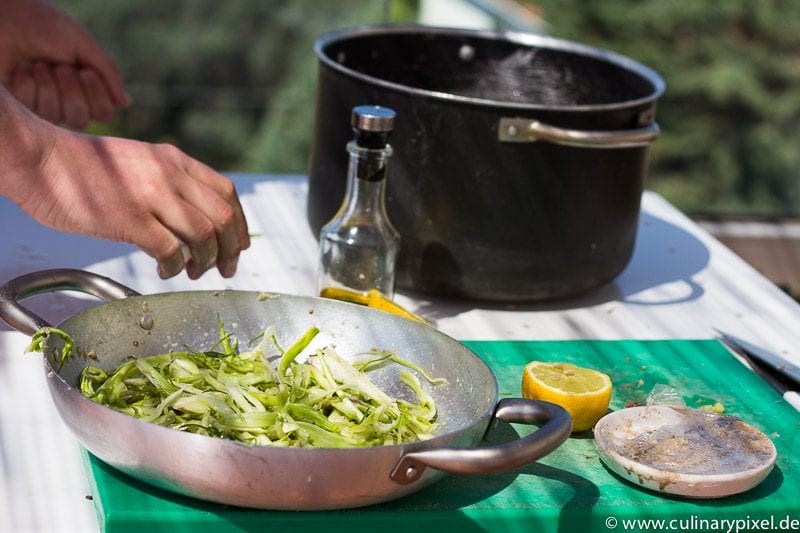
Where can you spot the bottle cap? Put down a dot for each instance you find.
(373, 118)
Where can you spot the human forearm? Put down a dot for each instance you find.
(22, 147)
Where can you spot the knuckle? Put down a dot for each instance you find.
(150, 192)
(170, 252)
(203, 231)
(170, 150)
(228, 191)
(226, 215)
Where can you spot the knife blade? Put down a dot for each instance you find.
(778, 373)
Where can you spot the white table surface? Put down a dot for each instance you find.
(680, 283)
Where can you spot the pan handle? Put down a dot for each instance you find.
(526, 130)
(60, 279)
(498, 458)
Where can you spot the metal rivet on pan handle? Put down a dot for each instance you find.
(525, 130)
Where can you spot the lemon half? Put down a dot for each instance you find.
(584, 392)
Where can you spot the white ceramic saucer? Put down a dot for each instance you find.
(682, 451)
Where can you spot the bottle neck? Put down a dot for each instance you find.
(366, 177)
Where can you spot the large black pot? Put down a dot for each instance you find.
(519, 160)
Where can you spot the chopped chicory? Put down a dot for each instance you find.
(266, 396)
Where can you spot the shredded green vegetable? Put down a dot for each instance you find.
(38, 338)
(323, 402)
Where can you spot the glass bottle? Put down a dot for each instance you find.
(359, 246)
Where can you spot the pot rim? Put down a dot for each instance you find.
(526, 39)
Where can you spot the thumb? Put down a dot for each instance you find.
(91, 55)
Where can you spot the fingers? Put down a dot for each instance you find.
(63, 94)
(206, 219)
(163, 246)
(23, 86)
(112, 81)
(179, 236)
(74, 104)
(48, 102)
(196, 231)
(197, 242)
(93, 57)
(101, 106)
(232, 245)
(226, 222)
(218, 200)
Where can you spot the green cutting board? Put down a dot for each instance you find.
(569, 490)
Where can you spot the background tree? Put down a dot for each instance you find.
(232, 83)
(731, 112)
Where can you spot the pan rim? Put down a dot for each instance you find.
(56, 380)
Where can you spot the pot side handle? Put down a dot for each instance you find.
(498, 458)
(526, 130)
(60, 279)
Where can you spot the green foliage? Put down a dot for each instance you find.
(231, 83)
(282, 141)
(731, 111)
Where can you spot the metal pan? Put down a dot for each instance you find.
(264, 477)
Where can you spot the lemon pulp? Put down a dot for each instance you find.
(584, 392)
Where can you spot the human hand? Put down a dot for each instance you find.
(55, 67)
(151, 195)
(63, 94)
